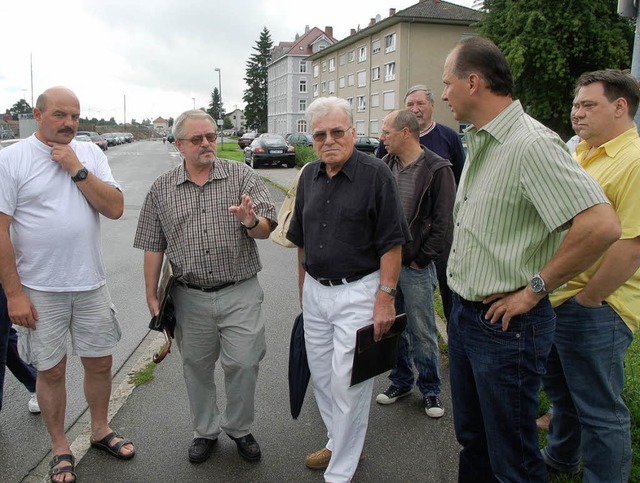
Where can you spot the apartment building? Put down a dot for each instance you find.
(289, 79)
(374, 67)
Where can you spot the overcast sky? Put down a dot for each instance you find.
(160, 54)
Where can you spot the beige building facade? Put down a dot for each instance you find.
(374, 67)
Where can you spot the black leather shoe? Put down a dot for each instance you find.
(248, 447)
(201, 449)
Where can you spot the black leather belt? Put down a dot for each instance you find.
(474, 305)
(332, 282)
(205, 289)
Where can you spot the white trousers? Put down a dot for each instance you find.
(332, 315)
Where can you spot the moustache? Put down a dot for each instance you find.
(65, 130)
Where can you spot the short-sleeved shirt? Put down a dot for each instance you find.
(205, 243)
(347, 222)
(519, 190)
(616, 167)
(55, 231)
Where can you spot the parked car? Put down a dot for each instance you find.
(99, 141)
(299, 138)
(171, 138)
(246, 139)
(83, 138)
(366, 144)
(271, 149)
(112, 139)
(8, 142)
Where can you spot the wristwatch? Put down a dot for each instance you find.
(537, 285)
(256, 223)
(80, 175)
(391, 291)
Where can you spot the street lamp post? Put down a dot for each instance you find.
(220, 110)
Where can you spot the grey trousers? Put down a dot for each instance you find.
(226, 325)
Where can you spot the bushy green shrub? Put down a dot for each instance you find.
(305, 154)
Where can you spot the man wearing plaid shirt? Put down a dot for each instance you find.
(204, 215)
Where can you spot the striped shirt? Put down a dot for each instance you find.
(519, 191)
(205, 243)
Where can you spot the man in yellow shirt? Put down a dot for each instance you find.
(598, 310)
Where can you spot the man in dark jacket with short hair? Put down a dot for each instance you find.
(427, 192)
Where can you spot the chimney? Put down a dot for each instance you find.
(353, 32)
(306, 29)
(392, 12)
(372, 21)
(328, 30)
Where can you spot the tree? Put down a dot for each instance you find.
(215, 106)
(255, 96)
(20, 107)
(227, 124)
(550, 44)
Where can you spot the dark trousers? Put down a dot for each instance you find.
(9, 357)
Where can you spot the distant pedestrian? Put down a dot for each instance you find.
(349, 228)
(53, 190)
(526, 219)
(427, 191)
(205, 215)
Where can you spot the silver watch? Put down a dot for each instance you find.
(537, 285)
(391, 291)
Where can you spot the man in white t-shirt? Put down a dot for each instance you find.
(52, 192)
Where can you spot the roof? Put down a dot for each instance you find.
(425, 11)
(159, 120)
(302, 45)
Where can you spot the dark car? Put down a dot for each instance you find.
(366, 144)
(171, 138)
(269, 149)
(299, 138)
(246, 139)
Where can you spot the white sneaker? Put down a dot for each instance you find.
(34, 407)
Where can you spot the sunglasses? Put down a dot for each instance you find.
(321, 136)
(197, 140)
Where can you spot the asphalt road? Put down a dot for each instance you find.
(402, 444)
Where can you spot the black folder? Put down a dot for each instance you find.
(165, 321)
(372, 358)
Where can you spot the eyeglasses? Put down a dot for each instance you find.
(321, 136)
(197, 140)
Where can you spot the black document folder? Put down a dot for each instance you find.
(165, 321)
(372, 358)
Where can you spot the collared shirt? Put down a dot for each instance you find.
(519, 190)
(347, 222)
(205, 243)
(616, 166)
(406, 177)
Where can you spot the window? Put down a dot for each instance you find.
(375, 100)
(361, 103)
(362, 78)
(375, 46)
(390, 43)
(351, 79)
(303, 86)
(315, 90)
(332, 64)
(342, 59)
(324, 66)
(360, 128)
(389, 71)
(375, 74)
(362, 53)
(332, 86)
(388, 100)
(315, 70)
(303, 67)
(351, 55)
(374, 126)
(301, 125)
(324, 87)
(341, 82)
(302, 106)
(350, 101)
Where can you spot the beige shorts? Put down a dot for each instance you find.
(90, 318)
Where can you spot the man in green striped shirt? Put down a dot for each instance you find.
(527, 218)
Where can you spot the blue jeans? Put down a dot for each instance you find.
(420, 339)
(495, 379)
(584, 381)
(9, 357)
